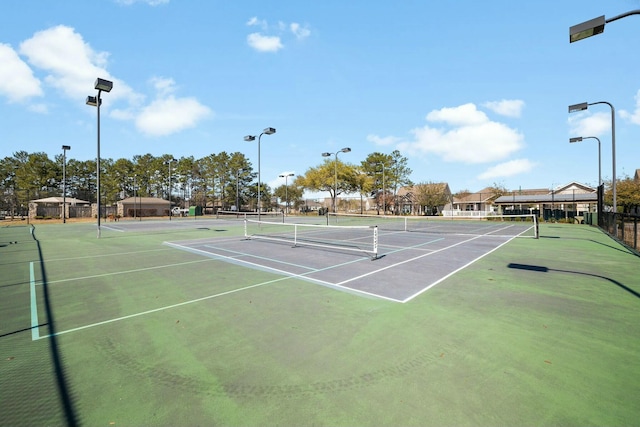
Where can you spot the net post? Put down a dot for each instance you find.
(295, 235)
(246, 233)
(535, 226)
(375, 242)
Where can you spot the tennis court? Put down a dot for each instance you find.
(188, 322)
(385, 261)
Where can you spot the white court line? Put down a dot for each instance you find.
(244, 254)
(104, 255)
(455, 271)
(127, 271)
(303, 276)
(112, 228)
(163, 308)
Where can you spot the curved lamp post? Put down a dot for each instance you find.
(580, 139)
(583, 106)
(64, 182)
(594, 26)
(286, 190)
(266, 131)
(101, 85)
(335, 175)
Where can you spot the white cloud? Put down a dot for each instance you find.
(387, 140)
(507, 169)
(170, 115)
(16, 78)
(298, 31)
(469, 136)
(506, 107)
(264, 43)
(586, 124)
(633, 117)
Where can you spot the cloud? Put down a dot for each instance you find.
(633, 117)
(387, 140)
(263, 43)
(467, 136)
(17, 81)
(506, 107)
(168, 114)
(506, 169)
(266, 42)
(298, 31)
(72, 65)
(587, 124)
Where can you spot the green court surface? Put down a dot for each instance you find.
(127, 330)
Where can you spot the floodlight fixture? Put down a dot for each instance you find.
(103, 85)
(578, 107)
(594, 26)
(249, 138)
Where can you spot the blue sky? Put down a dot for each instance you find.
(472, 93)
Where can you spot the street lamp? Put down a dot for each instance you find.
(583, 106)
(594, 26)
(384, 192)
(335, 177)
(64, 182)
(286, 190)
(580, 139)
(102, 86)
(238, 191)
(266, 131)
(168, 162)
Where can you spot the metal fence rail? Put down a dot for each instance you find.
(623, 227)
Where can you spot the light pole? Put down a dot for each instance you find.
(286, 191)
(594, 26)
(266, 131)
(238, 191)
(168, 162)
(102, 86)
(64, 182)
(384, 192)
(335, 176)
(580, 139)
(583, 106)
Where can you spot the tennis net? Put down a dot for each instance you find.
(269, 216)
(488, 225)
(358, 238)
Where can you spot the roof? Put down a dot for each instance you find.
(548, 198)
(60, 200)
(145, 201)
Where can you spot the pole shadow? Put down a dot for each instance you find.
(542, 269)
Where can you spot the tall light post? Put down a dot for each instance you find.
(101, 85)
(594, 26)
(266, 131)
(384, 191)
(168, 162)
(335, 175)
(580, 139)
(238, 171)
(286, 191)
(583, 106)
(64, 182)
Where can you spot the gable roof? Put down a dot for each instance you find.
(145, 201)
(60, 200)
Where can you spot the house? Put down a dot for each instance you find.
(52, 207)
(143, 206)
(566, 201)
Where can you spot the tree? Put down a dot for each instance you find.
(627, 194)
(289, 194)
(430, 196)
(323, 178)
